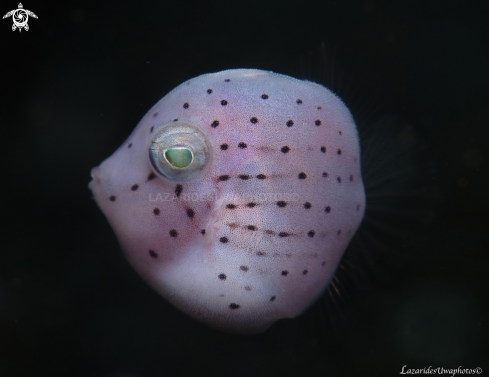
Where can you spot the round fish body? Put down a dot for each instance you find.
(236, 196)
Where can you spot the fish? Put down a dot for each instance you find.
(236, 196)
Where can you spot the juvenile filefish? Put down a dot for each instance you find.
(236, 196)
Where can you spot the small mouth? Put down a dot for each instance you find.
(95, 174)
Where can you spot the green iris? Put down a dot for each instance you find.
(179, 157)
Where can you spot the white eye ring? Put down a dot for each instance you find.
(179, 151)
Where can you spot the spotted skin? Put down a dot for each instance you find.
(257, 235)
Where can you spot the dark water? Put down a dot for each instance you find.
(76, 84)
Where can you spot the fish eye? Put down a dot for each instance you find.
(179, 151)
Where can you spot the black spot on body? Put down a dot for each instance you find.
(151, 129)
(215, 124)
(234, 306)
(222, 276)
(323, 149)
(338, 151)
(156, 211)
(317, 122)
(190, 213)
(224, 147)
(151, 176)
(155, 115)
(325, 175)
(244, 176)
(209, 91)
(311, 233)
(185, 105)
(243, 268)
(273, 298)
(242, 145)
(327, 209)
(299, 101)
(223, 177)
(338, 179)
(202, 231)
(283, 234)
(307, 205)
(112, 198)
(281, 203)
(254, 120)
(302, 175)
(261, 176)
(285, 149)
(319, 107)
(261, 253)
(250, 205)
(230, 206)
(304, 272)
(130, 145)
(178, 190)
(289, 123)
(224, 239)
(175, 120)
(264, 96)
(251, 227)
(173, 233)
(153, 254)
(224, 102)
(285, 273)
(227, 80)
(134, 187)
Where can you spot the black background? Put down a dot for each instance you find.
(76, 84)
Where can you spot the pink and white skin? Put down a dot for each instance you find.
(251, 227)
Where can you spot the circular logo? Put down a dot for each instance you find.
(20, 18)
